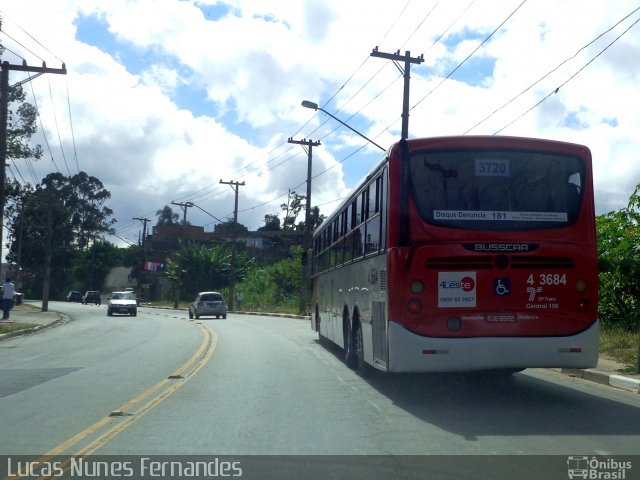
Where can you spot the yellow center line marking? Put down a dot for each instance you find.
(116, 429)
(201, 356)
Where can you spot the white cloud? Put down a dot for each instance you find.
(135, 129)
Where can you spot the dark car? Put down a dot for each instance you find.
(74, 296)
(92, 296)
(208, 304)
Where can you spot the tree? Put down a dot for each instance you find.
(21, 126)
(316, 218)
(230, 227)
(271, 224)
(55, 221)
(196, 268)
(166, 216)
(21, 123)
(619, 261)
(295, 203)
(83, 197)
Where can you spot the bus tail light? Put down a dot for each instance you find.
(581, 285)
(415, 306)
(582, 305)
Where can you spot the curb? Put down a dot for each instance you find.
(612, 380)
(281, 315)
(34, 329)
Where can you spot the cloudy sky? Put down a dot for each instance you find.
(165, 98)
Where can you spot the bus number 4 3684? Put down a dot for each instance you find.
(547, 279)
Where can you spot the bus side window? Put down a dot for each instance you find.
(348, 247)
(357, 245)
(373, 234)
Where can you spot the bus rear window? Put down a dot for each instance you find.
(497, 189)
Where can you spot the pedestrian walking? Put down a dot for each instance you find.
(8, 292)
(239, 299)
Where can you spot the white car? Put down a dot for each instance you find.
(122, 302)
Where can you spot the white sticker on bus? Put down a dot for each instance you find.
(456, 289)
(491, 215)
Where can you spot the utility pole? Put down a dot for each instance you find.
(306, 273)
(144, 227)
(184, 210)
(234, 251)
(183, 237)
(4, 115)
(408, 60)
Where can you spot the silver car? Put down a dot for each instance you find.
(208, 304)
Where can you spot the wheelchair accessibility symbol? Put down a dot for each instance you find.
(502, 286)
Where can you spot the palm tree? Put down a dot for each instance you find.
(166, 216)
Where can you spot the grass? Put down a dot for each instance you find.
(8, 327)
(620, 345)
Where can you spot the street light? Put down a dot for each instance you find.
(314, 106)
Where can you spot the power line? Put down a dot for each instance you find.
(44, 134)
(550, 72)
(419, 24)
(73, 136)
(468, 56)
(553, 92)
(55, 119)
(32, 38)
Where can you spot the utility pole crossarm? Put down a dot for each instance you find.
(144, 226)
(184, 206)
(408, 60)
(396, 56)
(43, 69)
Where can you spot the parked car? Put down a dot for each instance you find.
(208, 304)
(74, 296)
(122, 302)
(92, 296)
(17, 296)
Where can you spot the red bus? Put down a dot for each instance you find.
(463, 253)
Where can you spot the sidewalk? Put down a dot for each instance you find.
(607, 372)
(28, 318)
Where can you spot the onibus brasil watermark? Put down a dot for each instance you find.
(594, 468)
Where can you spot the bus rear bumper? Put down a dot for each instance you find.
(409, 352)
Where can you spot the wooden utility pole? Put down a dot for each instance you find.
(408, 60)
(306, 271)
(234, 251)
(144, 227)
(4, 115)
(183, 237)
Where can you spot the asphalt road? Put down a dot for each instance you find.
(160, 384)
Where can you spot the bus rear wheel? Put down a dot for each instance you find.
(359, 349)
(349, 351)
